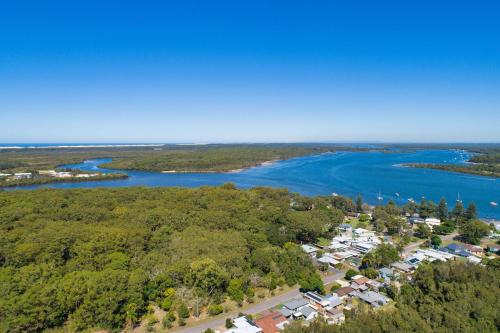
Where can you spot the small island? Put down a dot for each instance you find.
(41, 177)
(484, 162)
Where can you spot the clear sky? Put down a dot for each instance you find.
(249, 71)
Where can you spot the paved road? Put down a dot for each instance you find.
(257, 308)
(411, 247)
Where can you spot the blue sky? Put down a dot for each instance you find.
(249, 71)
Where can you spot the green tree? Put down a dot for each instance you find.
(458, 211)
(359, 204)
(423, 231)
(206, 276)
(442, 210)
(312, 282)
(350, 274)
(235, 291)
(471, 212)
(436, 240)
(182, 311)
(472, 232)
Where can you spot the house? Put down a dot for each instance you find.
(4, 175)
(244, 325)
(494, 248)
(311, 250)
(360, 232)
(334, 301)
(335, 316)
(345, 227)
(363, 247)
(432, 222)
(328, 258)
(287, 313)
(374, 285)
(402, 267)
(360, 279)
(294, 304)
(23, 175)
(456, 249)
(373, 298)
(476, 250)
(314, 298)
(428, 255)
(386, 273)
(344, 292)
(359, 282)
(416, 220)
(343, 255)
(473, 259)
(337, 246)
(272, 322)
(306, 312)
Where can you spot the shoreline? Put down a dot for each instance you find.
(262, 164)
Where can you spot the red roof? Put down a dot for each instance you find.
(268, 322)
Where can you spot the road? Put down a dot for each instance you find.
(257, 308)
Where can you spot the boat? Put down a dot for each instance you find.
(334, 194)
(411, 200)
(397, 194)
(493, 203)
(380, 197)
(458, 198)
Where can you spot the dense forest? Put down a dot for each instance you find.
(216, 159)
(95, 259)
(442, 297)
(186, 158)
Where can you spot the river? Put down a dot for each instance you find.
(345, 173)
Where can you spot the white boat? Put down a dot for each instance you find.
(397, 194)
(411, 200)
(493, 203)
(458, 198)
(334, 194)
(380, 197)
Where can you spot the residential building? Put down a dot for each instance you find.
(373, 298)
(23, 175)
(314, 298)
(244, 325)
(345, 292)
(273, 322)
(309, 249)
(402, 267)
(432, 222)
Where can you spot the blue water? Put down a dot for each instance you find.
(345, 173)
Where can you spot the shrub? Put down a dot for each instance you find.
(350, 274)
(215, 309)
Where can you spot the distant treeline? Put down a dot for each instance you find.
(40, 180)
(183, 158)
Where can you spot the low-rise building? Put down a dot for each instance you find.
(272, 322)
(314, 298)
(345, 292)
(244, 325)
(23, 175)
(432, 222)
(402, 267)
(309, 249)
(373, 298)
